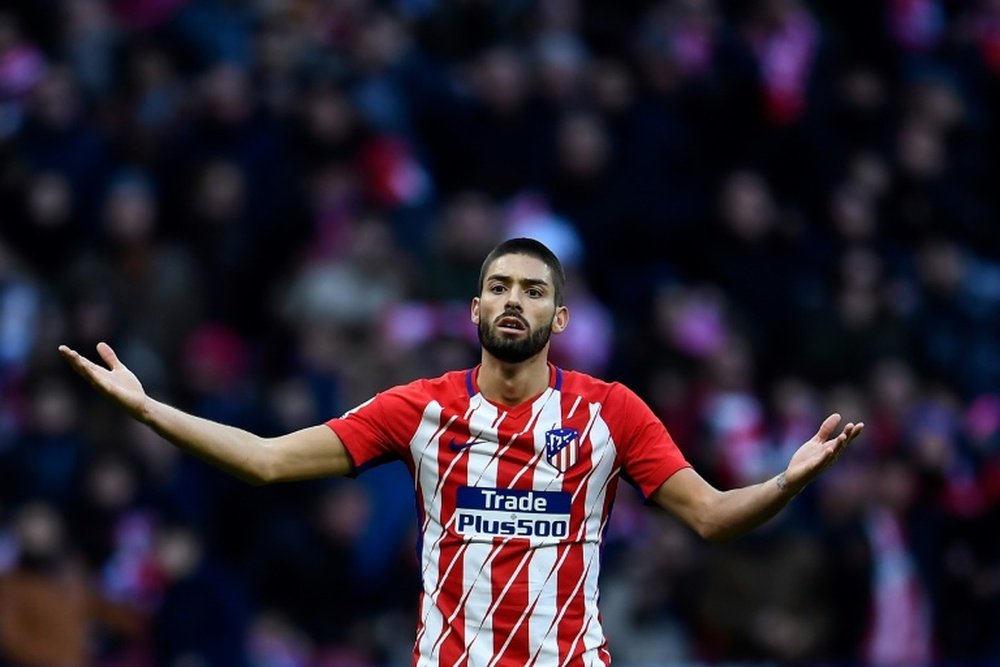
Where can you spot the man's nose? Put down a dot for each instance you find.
(514, 298)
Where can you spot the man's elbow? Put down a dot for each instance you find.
(721, 529)
(260, 469)
(712, 532)
(713, 528)
(706, 518)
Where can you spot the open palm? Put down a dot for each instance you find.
(115, 380)
(820, 451)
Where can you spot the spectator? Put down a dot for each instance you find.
(48, 607)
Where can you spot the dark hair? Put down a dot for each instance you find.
(531, 248)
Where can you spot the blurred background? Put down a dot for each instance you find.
(769, 210)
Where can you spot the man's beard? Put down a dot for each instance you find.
(513, 350)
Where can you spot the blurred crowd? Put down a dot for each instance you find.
(272, 209)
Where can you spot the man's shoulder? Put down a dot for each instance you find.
(617, 400)
(588, 386)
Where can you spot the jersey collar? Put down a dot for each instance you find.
(472, 386)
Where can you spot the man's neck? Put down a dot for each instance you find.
(512, 384)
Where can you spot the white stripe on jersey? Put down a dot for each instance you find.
(603, 461)
(424, 445)
(572, 410)
(543, 582)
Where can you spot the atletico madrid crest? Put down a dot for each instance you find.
(562, 447)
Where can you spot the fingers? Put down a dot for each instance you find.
(73, 357)
(108, 355)
(826, 428)
(78, 360)
(847, 436)
(81, 364)
(852, 431)
(834, 444)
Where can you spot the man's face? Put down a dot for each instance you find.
(516, 312)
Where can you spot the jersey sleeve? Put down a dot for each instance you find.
(648, 453)
(375, 431)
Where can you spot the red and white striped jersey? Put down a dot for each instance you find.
(513, 504)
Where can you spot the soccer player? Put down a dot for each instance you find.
(515, 464)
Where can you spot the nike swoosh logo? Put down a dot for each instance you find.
(459, 446)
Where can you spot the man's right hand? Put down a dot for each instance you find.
(116, 381)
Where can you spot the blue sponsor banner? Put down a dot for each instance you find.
(513, 500)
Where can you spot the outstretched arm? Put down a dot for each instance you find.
(311, 452)
(721, 515)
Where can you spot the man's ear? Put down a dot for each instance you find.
(561, 320)
(475, 310)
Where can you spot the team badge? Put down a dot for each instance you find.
(562, 448)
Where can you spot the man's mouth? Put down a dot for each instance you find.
(512, 323)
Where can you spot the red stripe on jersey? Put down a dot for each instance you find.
(570, 618)
(571, 614)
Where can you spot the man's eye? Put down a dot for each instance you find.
(534, 293)
(497, 289)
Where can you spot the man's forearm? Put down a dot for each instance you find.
(722, 515)
(236, 451)
(738, 511)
